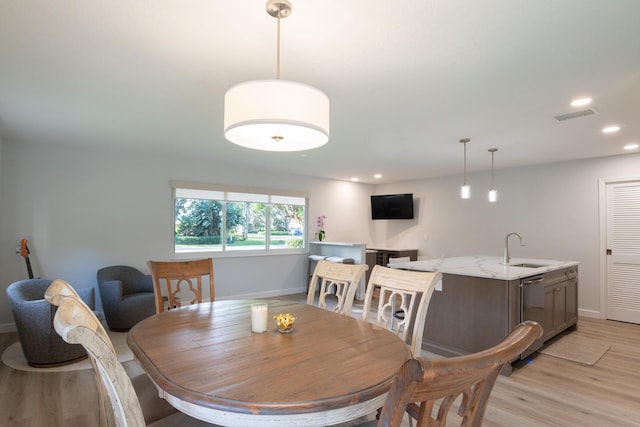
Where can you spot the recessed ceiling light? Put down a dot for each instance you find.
(354, 179)
(611, 129)
(377, 176)
(631, 146)
(579, 102)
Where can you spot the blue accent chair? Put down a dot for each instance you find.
(41, 345)
(127, 296)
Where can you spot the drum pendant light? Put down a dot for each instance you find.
(276, 115)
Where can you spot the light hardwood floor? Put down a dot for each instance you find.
(545, 392)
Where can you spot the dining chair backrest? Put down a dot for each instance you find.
(57, 292)
(123, 400)
(77, 324)
(403, 301)
(421, 382)
(336, 280)
(181, 281)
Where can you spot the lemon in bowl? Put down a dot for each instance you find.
(284, 322)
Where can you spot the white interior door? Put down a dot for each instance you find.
(623, 251)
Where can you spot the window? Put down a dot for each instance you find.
(225, 220)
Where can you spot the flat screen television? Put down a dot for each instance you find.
(392, 206)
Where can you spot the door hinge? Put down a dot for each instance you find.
(608, 251)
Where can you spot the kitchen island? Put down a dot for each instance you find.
(481, 300)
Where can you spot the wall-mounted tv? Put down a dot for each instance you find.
(392, 206)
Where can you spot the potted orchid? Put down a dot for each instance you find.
(320, 225)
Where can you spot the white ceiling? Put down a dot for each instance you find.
(406, 79)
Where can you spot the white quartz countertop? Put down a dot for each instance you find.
(487, 266)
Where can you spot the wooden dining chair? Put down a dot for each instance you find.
(336, 281)
(182, 282)
(153, 407)
(428, 388)
(403, 301)
(77, 324)
(57, 291)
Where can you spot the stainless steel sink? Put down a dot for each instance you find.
(527, 265)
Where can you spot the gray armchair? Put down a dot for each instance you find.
(41, 345)
(127, 296)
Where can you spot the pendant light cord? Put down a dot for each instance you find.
(278, 41)
(465, 163)
(278, 9)
(493, 152)
(492, 169)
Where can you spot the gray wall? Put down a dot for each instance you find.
(553, 206)
(84, 208)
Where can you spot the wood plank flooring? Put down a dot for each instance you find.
(555, 392)
(547, 391)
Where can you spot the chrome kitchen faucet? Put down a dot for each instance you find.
(507, 257)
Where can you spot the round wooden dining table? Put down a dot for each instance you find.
(206, 362)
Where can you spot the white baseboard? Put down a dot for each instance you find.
(7, 327)
(590, 313)
(274, 293)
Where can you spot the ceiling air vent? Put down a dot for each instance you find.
(576, 114)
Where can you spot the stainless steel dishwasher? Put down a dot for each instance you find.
(532, 305)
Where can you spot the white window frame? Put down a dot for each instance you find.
(234, 194)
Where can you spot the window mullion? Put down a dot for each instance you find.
(267, 226)
(223, 231)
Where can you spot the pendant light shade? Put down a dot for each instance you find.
(465, 190)
(276, 115)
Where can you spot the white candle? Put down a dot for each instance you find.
(259, 316)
